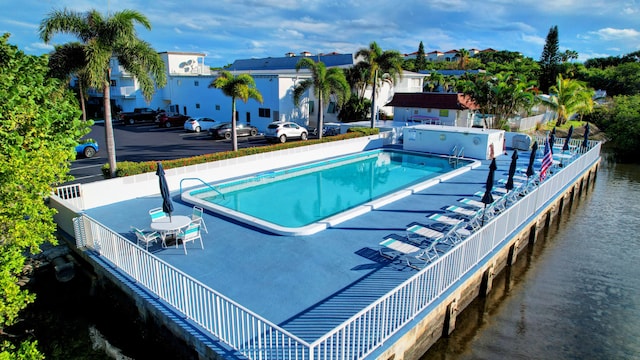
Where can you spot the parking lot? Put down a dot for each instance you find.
(148, 142)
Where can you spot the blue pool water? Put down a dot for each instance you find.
(296, 198)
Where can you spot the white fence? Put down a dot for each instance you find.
(257, 338)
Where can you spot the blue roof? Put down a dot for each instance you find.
(289, 62)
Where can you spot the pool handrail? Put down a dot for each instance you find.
(202, 181)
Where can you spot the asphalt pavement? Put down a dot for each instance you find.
(148, 142)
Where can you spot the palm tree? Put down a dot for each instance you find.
(66, 61)
(102, 39)
(382, 65)
(325, 82)
(241, 87)
(569, 97)
(433, 81)
(463, 58)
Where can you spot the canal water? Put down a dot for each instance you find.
(574, 295)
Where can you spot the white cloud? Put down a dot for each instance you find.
(533, 39)
(616, 34)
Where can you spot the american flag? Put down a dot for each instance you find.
(547, 161)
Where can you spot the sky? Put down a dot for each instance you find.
(227, 30)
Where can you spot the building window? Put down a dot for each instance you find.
(264, 112)
(217, 107)
(197, 106)
(311, 107)
(444, 113)
(332, 107)
(196, 83)
(113, 83)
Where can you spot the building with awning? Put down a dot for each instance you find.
(452, 109)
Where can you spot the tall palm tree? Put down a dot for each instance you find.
(241, 87)
(102, 39)
(569, 97)
(69, 60)
(325, 82)
(383, 66)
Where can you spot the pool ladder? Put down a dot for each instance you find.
(206, 184)
(456, 154)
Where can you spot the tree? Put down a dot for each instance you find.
(568, 55)
(421, 61)
(105, 38)
(549, 60)
(501, 95)
(324, 82)
(241, 87)
(66, 61)
(39, 128)
(623, 128)
(381, 65)
(434, 80)
(569, 97)
(463, 58)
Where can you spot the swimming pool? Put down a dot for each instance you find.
(305, 199)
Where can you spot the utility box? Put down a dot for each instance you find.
(481, 144)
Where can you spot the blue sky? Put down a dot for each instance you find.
(226, 30)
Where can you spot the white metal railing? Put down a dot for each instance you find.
(247, 332)
(72, 194)
(257, 338)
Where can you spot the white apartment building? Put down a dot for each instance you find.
(187, 90)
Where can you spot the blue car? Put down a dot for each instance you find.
(88, 149)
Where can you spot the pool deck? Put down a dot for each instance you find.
(306, 284)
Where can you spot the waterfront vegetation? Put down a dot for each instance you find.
(39, 128)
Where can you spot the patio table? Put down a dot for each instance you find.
(170, 225)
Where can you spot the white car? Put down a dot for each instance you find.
(281, 131)
(199, 124)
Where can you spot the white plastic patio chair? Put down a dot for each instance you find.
(191, 233)
(157, 214)
(145, 237)
(196, 217)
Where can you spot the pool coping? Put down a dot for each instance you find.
(330, 221)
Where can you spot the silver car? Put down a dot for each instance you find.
(282, 131)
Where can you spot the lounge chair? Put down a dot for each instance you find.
(145, 237)
(191, 233)
(423, 258)
(471, 202)
(157, 214)
(391, 248)
(462, 211)
(196, 217)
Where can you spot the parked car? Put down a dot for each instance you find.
(282, 131)
(138, 115)
(223, 130)
(199, 124)
(168, 120)
(87, 149)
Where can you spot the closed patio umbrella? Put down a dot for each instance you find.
(552, 139)
(532, 159)
(565, 147)
(487, 198)
(585, 143)
(167, 204)
(512, 170)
